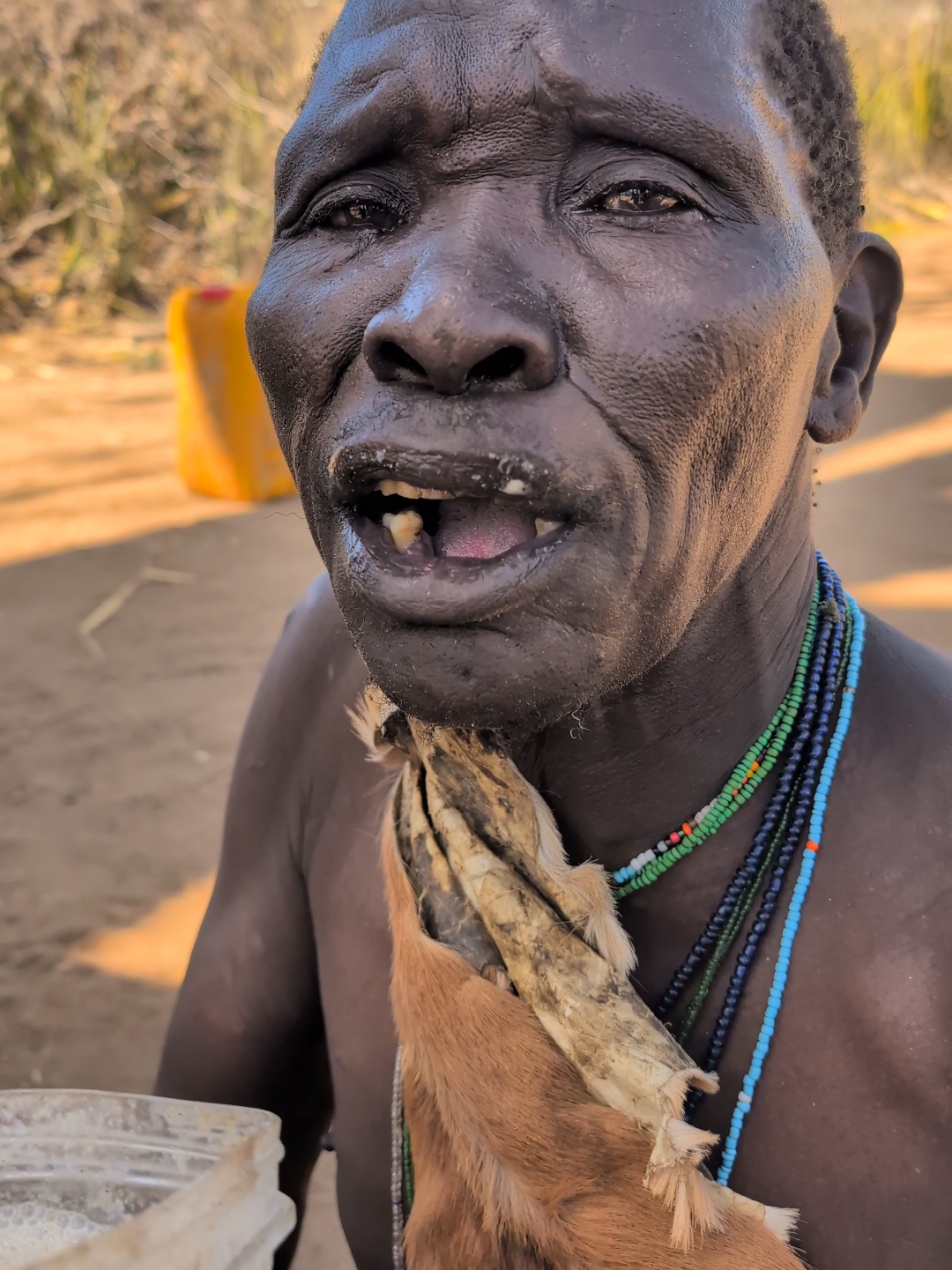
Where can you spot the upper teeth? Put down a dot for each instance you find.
(405, 526)
(409, 491)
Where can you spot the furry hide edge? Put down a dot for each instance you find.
(515, 1167)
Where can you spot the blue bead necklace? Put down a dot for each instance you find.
(798, 804)
(807, 864)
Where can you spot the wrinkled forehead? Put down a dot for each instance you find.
(425, 72)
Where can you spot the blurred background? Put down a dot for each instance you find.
(137, 140)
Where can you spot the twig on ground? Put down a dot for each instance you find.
(113, 603)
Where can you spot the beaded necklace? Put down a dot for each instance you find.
(824, 683)
(740, 786)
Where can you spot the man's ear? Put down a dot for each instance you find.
(856, 339)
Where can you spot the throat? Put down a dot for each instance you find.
(630, 770)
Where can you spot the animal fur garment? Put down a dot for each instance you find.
(543, 1099)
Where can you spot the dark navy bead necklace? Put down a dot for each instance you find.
(833, 654)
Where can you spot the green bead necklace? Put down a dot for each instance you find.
(741, 785)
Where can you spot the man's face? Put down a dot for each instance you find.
(539, 332)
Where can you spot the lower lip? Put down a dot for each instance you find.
(444, 591)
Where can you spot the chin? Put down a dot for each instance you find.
(518, 680)
(480, 590)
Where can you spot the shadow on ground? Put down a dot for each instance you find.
(113, 777)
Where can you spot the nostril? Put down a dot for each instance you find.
(396, 358)
(502, 364)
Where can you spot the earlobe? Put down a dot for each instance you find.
(856, 339)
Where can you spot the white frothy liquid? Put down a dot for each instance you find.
(29, 1231)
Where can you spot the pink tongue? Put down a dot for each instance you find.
(478, 529)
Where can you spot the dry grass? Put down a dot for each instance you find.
(137, 136)
(902, 58)
(137, 139)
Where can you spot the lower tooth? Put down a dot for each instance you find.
(544, 526)
(404, 528)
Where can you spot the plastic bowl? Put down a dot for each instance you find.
(126, 1182)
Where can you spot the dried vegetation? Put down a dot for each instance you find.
(902, 58)
(137, 136)
(137, 139)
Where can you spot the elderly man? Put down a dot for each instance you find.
(563, 293)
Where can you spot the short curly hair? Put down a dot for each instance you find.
(809, 67)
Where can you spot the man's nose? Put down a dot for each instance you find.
(444, 336)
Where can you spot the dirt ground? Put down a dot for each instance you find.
(113, 772)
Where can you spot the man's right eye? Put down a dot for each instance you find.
(359, 214)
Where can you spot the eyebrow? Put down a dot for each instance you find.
(654, 121)
(364, 128)
(387, 115)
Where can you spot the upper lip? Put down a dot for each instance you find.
(355, 471)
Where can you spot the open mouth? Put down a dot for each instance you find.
(452, 539)
(398, 519)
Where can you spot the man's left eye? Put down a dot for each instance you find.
(360, 215)
(639, 199)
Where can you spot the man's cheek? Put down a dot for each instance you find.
(274, 324)
(713, 418)
(304, 328)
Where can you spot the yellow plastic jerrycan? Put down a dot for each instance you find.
(226, 441)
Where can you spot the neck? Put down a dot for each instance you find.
(633, 766)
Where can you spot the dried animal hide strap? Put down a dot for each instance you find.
(476, 847)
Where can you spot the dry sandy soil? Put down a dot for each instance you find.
(113, 772)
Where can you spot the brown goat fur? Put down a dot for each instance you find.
(515, 1166)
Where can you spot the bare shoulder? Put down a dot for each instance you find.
(298, 733)
(920, 674)
(884, 874)
(898, 761)
(314, 663)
